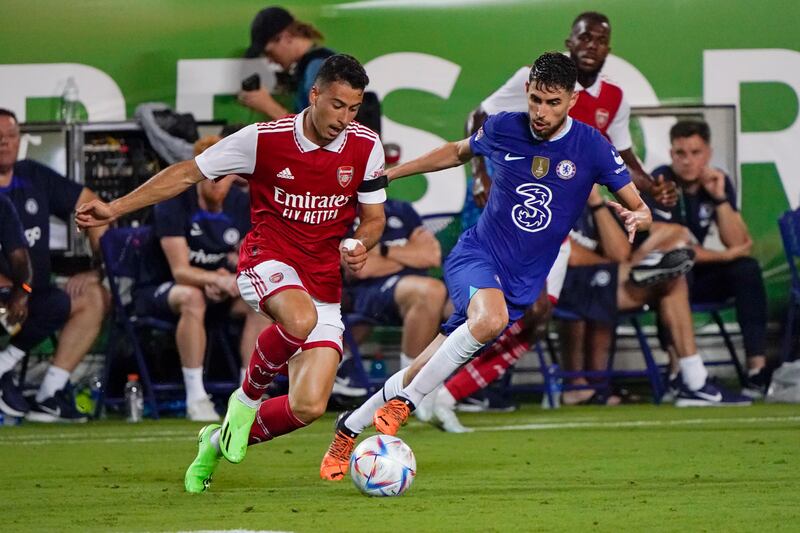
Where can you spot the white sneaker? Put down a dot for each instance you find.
(448, 420)
(342, 387)
(202, 411)
(424, 411)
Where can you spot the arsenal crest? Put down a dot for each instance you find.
(540, 166)
(344, 175)
(601, 118)
(277, 277)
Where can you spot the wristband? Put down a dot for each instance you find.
(596, 208)
(719, 202)
(384, 249)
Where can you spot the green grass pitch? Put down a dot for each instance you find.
(631, 468)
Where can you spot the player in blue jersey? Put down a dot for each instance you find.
(546, 166)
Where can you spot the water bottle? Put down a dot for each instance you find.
(554, 388)
(96, 393)
(134, 400)
(69, 102)
(378, 369)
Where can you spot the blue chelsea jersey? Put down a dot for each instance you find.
(539, 189)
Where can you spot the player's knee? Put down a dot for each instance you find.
(435, 292)
(308, 410)
(487, 326)
(300, 324)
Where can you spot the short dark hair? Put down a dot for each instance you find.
(343, 68)
(554, 70)
(592, 16)
(687, 128)
(8, 113)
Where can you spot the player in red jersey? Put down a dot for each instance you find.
(309, 175)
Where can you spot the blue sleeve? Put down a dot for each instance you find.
(483, 141)
(611, 169)
(411, 218)
(301, 99)
(11, 232)
(62, 194)
(170, 218)
(730, 193)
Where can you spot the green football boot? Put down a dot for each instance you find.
(236, 429)
(198, 475)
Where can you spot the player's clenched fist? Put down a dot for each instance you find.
(354, 254)
(93, 214)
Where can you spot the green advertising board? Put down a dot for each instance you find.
(432, 61)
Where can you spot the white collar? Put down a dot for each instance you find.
(593, 90)
(308, 146)
(562, 133)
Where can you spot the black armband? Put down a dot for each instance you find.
(384, 249)
(381, 182)
(720, 201)
(596, 208)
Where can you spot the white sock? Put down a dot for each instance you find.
(454, 352)
(245, 399)
(193, 380)
(214, 439)
(445, 398)
(9, 358)
(693, 371)
(362, 417)
(242, 373)
(54, 380)
(405, 361)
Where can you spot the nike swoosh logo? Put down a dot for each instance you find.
(663, 214)
(510, 157)
(617, 158)
(710, 397)
(55, 412)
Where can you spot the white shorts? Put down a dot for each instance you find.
(267, 279)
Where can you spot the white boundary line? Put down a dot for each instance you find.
(178, 436)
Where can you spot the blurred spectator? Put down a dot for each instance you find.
(707, 195)
(38, 193)
(199, 232)
(394, 287)
(605, 277)
(292, 44)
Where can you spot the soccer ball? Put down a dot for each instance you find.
(383, 466)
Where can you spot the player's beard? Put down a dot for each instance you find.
(549, 132)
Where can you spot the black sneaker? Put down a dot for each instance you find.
(755, 386)
(12, 403)
(660, 266)
(58, 408)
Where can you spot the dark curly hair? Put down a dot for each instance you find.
(343, 68)
(552, 71)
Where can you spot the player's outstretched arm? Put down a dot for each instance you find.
(168, 183)
(635, 214)
(448, 155)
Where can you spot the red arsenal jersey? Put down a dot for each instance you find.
(598, 106)
(303, 197)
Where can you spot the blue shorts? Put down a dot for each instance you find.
(151, 300)
(375, 300)
(466, 270)
(591, 292)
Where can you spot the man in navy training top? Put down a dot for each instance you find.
(38, 192)
(199, 232)
(706, 195)
(546, 165)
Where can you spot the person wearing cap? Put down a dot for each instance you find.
(292, 44)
